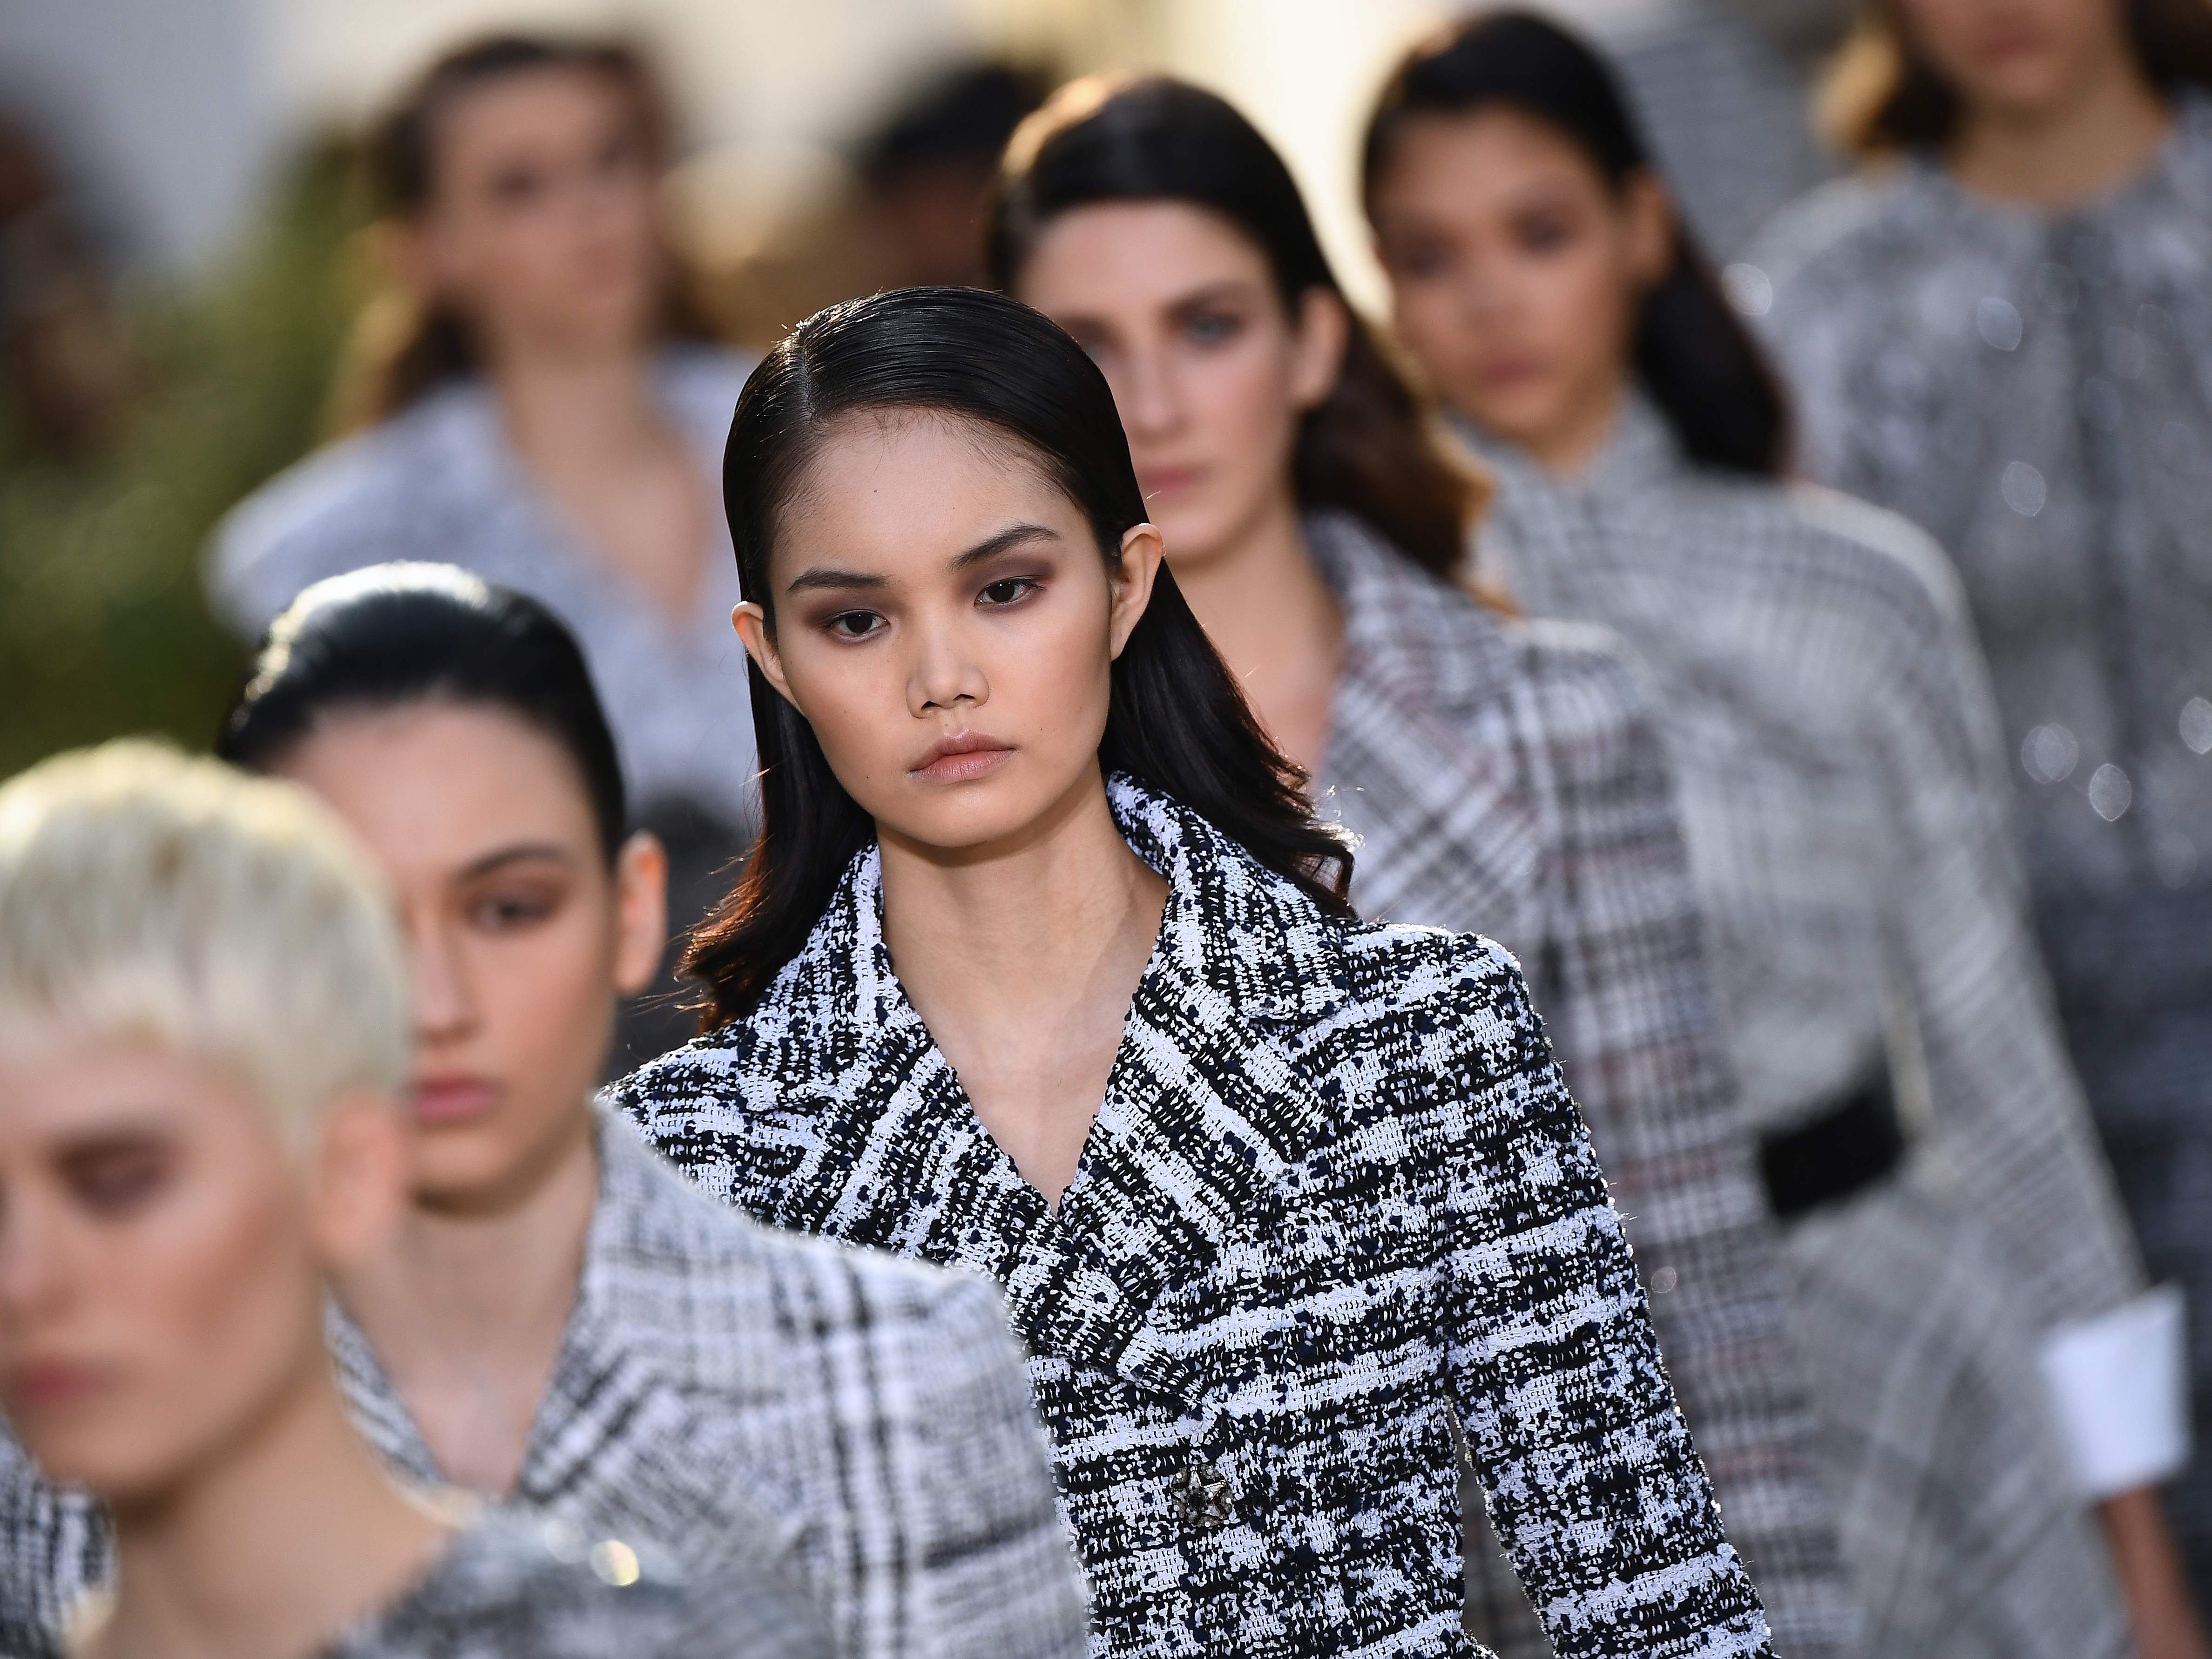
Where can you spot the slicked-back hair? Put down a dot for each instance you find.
(1176, 719)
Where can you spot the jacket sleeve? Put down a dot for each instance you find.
(1628, 1003)
(999, 1573)
(1587, 1465)
(53, 1549)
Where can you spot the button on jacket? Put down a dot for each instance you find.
(738, 1399)
(1336, 1197)
(1506, 778)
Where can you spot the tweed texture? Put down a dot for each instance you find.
(1826, 713)
(1506, 779)
(2035, 390)
(1336, 1201)
(742, 1400)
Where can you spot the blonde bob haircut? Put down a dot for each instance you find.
(148, 897)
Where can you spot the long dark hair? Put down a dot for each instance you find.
(1175, 719)
(400, 350)
(1693, 353)
(1370, 447)
(1882, 95)
(394, 635)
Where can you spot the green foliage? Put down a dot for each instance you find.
(104, 627)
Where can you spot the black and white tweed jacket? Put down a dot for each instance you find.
(740, 1401)
(1336, 1202)
(1508, 778)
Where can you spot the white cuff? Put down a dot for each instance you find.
(2119, 1386)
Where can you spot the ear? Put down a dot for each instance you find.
(1131, 585)
(359, 1177)
(1324, 332)
(402, 252)
(751, 623)
(1650, 222)
(641, 912)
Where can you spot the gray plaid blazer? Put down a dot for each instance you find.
(1507, 779)
(727, 1394)
(1337, 1209)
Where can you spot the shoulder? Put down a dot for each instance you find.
(1430, 983)
(338, 509)
(702, 384)
(1834, 226)
(508, 1585)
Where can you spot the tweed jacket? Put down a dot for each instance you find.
(734, 1398)
(1507, 779)
(1824, 708)
(1336, 1209)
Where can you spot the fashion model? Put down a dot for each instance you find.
(202, 1035)
(1965, 1286)
(561, 1324)
(1042, 965)
(1502, 778)
(530, 397)
(2002, 329)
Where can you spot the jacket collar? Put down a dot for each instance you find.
(1199, 1144)
(1639, 451)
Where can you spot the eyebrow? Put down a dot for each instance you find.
(506, 855)
(1014, 535)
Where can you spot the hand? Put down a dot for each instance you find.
(2161, 1612)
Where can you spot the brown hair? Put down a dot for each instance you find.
(400, 350)
(1372, 447)
(1882, 95)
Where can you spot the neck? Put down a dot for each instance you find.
(1263, 603)
(468, 1309)
(1570, 445)
(581, 408)
(2104, 133)
(271, 1549)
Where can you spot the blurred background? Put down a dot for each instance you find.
(181, 246)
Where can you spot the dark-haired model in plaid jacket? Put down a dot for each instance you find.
(1504, 778)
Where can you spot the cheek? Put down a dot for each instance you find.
(546, 997)
(856, 702)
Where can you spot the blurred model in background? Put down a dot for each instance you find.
(1503, 779)
(1986, 1360)
(2005, 332)
(531, 410)
(562, 1323)
(202, 1041)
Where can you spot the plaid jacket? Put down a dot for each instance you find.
(1825, 708)
(1507, 779)
(729, 1395)
(1336, 1201)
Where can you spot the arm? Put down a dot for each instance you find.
(1592, 1481)
(999, 1576)
(1628, 1003)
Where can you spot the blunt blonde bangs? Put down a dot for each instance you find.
(146, 897)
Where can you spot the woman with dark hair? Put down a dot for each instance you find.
(1043, 966)
(1986, 1361)
(535, 406)
(561, 1324)
(2005, 333)
(1502, 778)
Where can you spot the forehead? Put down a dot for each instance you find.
(1119, 256)
(550, 104)
(1440, 165)
(61, 1083)
(433, 786)
(899, 492)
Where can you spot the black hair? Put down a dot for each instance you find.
(397, 633)
(1176, 719)
(960, 118)
(1692, 352)
(1370, 447)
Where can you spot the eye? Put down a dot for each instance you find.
(854, 624)
(1008, 590)
(1212, 328)
(517, 186)
(117, 1180)
(511, 911)
(1546, 232)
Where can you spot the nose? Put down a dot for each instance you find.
(35, 1273)
(1147, 392)
(445, 1004)
(944, 675)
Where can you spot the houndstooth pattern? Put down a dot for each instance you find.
(1825, 711)
(1506, 779)
(738, 1399)
(1336, 1197)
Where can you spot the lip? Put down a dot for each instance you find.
(1167, 480)
(961, 758)
(1502, 373)
(448, 1098)
(54, 1384)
